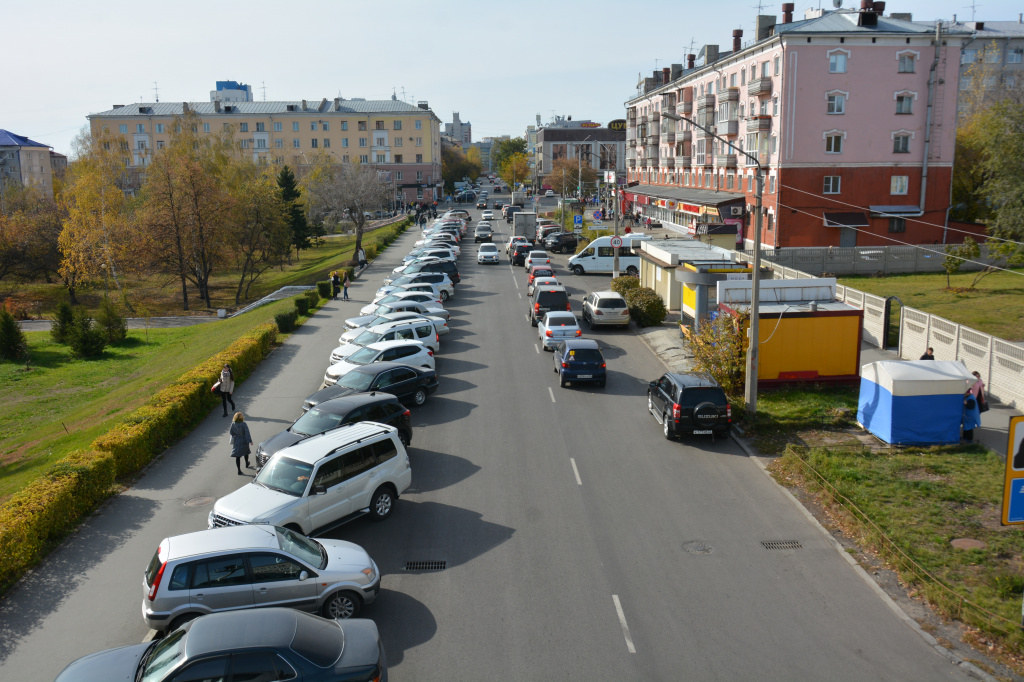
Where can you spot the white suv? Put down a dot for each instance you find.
(417, 329)
(323, 481)
(407, 352)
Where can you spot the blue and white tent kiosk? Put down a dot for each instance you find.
(920, 402)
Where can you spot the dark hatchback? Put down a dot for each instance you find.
(578, 360)
(390, 377)
(260, 644)
(446, 266)
(689, 402)
(519, 253)
(330, 414)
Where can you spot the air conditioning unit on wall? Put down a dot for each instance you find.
(736, 210)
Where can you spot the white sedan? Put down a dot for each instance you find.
(423, 287)
(488, 253)
(537, 258)
(557, 327)
(487, 215)
(401, 297)
(541, 282)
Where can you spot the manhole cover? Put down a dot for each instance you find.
(698, 547)
(967, 543)
(781, 544)
(425, 565)
(198, 501)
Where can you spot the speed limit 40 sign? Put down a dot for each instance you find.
(616, 242)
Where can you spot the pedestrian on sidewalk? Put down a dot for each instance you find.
(240, 441)
(346, 284)
(978, 391)
(972, 417)
(361, 257)
(928, 354)
(227, 387)
(335, 284)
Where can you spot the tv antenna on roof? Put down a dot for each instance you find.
(156, 92)
(263, 86)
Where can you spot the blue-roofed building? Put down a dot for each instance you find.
(25, 162)
(231, 91)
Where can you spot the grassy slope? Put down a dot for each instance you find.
(995, 307)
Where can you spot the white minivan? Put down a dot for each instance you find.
(599, 256)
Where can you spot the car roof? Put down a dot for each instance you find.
(315, 448)
(549, 287)
(345, 403)
(401, 293)
(694, 379)
(577, 344)
(539, 251)
(231, 630)
(246, 536)
(490, 244)
(608, 294)
(397, 324)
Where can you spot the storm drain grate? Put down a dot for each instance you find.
(426, 565)
(781, 544)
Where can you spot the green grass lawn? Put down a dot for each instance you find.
(56, 403)
(996, 307)
(792, 415)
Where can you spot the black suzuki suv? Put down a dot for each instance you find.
(689, 402)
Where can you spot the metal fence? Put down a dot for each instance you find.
(1000, 362)
(864, 260)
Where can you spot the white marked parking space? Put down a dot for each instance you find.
(551, 393)
(622, 622)
(575, 471)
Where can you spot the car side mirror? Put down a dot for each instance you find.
(319, 490)
(303, 576)
(653, 384)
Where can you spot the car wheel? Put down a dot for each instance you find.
(382, 504)
(665, 428)
(562, 382)
(632, 271)
(419, 397)
(444, 295)
(341, 605)
(650, 404)
(181, 620)
(404, 437)
(577, 269)
(533, 322)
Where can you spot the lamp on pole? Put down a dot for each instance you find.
(579, 171)
(750, 389)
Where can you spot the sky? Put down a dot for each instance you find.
(499, 64)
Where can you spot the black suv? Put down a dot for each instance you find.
(690, 402)
(561, 242)
(519, 253)
(544, 300)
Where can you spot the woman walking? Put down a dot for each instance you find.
(335, 284)
(361, 257)
(240, 441)
(227, 387)
(345, 285)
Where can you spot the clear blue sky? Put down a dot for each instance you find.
(497, 63)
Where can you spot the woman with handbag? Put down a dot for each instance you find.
(226, 387)
(240, 441)
(978, 391)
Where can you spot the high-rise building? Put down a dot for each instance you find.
(231, 91)
(460, 130)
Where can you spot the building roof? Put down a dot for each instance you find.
(704, 197)
(9, 139)
(990, 29)
(313, 107)
(845, 21)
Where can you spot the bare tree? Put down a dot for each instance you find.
(356, 189)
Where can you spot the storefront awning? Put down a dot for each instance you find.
(846, 220)
(897, 210)
(687, 195)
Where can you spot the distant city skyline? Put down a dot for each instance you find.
(74, 59)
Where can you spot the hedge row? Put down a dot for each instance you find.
(45, 511)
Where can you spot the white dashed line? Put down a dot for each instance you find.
(575, 471)
(536, 348)
(622, 622)
(520, 294)
(552, 393)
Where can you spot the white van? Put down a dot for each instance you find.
(599, 256)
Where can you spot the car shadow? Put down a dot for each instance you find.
(403, 622)
(441, 410)
(618, 384)
(457, 346)
(449, 385)
(453, 366)
(437, 470)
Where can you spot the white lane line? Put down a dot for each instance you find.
(622, 622)
(520, 294)
(150, 636)
(552, 394)
(536, 348)
(575, 471)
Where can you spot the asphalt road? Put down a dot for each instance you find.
(579, 544)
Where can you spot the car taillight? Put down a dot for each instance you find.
(156, 581)
(598, 312)
(407, 413)
(568, 307)
(579, 332)
(548, 333)
(604, 365)
(728, 412)
(437, 337)
(536, 307)
(677, 411)
(565, 365)
(430, 352)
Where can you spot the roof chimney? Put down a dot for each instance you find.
(665, 73)
(422, 104)
(117, 106)
(337, 104)
(216, 106)
(765, 24)
(902, 16)
(737, 39)
(690, 59)
(879, 7)
(304, 107)
(184, 107)
(323, 105)
(787, 12)
(709, 53)
(676, 70)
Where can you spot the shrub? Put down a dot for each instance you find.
(624, 284)
(719, 348)
(17, 310)
(62, 322)
(286, 321)
(324, 289)
(302, 305)
(13, 344)
(86, 340)
(111, 323)
(646, 307)
(313, 296)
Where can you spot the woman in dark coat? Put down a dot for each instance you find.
(240, 441)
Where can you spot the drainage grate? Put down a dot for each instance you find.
(426, 565)
(697, 547)
(781, 544)
(198, 501)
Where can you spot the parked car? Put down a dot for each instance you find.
(198, 573)
(410, 385)
(407, 352)
(274, 643)
(440, 325)
(549, 193)
(416, 329)
(323, 481)
(441, 292)
(428, 299)
(546, 299)
(383, 408)
(483, 233)
(601, 308)
(536, 257)
(428, 252)
(445, 266)
(541, 282)
(519, 253)
(557, 326)
(689, 402)
(488, 253)
(561, 242)
(403, 306)
(578, 360)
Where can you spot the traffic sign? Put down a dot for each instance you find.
(1013, 487)
(597, 214)
(616, 242)
(577, 220)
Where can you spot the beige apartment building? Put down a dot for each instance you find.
(395, 137)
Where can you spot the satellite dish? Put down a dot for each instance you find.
(837, 3)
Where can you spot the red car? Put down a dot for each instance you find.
(539, 271)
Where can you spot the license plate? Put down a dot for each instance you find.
(702, 432)
(586, 376)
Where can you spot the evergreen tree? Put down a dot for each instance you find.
(13, 344)
(290, 194)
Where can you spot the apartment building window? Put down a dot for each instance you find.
(361, 125)
(344, 125)
(969, 57)
(732, 80)
(837, 62)
(419, 141)
(363, 158)
(261, 127)
(836, 104)
(277, 126)
(419, 176)
(344, 159)
(362, 141)
(701, 154)
(159, 128)
(141, 144)
(206, 127)
(834, 144)
(904, 104)
(775, 106)
(899, 184)
(753, 72)
(419, 158)
(295, 126)
(419, 125)
(774, 146)
(159, 144)
(398, 159)
(907, 63)
(327, 143)
(771, 184)
(278, 143)
(295, 144)
(743, 76)
(897, 225)
(140, 127)
(1015, 57)
(419, 193)
(965, 82)
(398, 125)
(398, 174)
(764, 107)
(245, 144)
(764, 70)
(686, 178)
(901, 144)
(992, 55)
(123, 128)
(326, 125)
(707, 179)
(243, 127)
(382, 158)
(261, 143)
(344, 142)
(380, 142)
(312, 126)
(314, 143)
(729, 181)
(398, 141)
(378, 125)
(778, 65)
(831, 184)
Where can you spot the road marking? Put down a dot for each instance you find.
(536, 348)
(622, 622)
(150, 636)
(520, 294)
(552, 394)
(575, 471)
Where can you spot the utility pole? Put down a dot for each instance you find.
(615, 209)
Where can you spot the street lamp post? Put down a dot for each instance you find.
(579, 171)
(750, 389)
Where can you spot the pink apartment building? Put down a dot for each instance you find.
(852, 115)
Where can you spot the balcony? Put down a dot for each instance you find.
(700, 134)
(668, 162)
(684, 135)
(725, 160)
(631, 163)
(704, 160)
(654, 116)
(651, 157)
(670, 137)
(759, 124)
(684, 108)
(760, 87)
(762, 157)
(651, 139)
(728, 95)
(683, 161)
(728, 127)
(706, 101)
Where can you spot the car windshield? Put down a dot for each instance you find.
(561, 320)
(488, 247)
(697, 395)
(611, 303)
(390, 298)
(404, 279)
(285, 475)
(383, 310)
(543, 272)
(367, 337)
(310, 551)
(585, 355)
(315, 421)
(164, 656)
(363, 356)
(360, 381)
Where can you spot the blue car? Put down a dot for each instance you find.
(579, 360)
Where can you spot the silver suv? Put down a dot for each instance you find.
(605, 308)
(246, 567)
